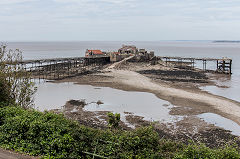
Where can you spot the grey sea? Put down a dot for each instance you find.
(55, 95)
(230, 89)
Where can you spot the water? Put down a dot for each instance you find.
(41, 50)
(221, 122)
(228, 89)
(54, 95)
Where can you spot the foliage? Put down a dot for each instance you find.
(113, 119)
(202, 152)
(15, 80)
(53, 136)
(5, 92)
(34, 132)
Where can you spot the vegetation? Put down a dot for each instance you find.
(113, 120)
(53, 136)
(5, 92)
(16, 86)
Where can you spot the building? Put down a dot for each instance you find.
(93, 53)
(142, 52)
(128, 49)
(116, 56)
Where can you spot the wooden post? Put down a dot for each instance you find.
(69, 63)
(203, 65)
(223, 65)
(230, 67)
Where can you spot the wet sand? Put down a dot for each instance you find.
(190, 128)
(186, 95)
(189, 96)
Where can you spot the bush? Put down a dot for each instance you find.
(49, 134)
(113, 119)
(34, 132)
(53, 136)
(5, 92)
(202, 152)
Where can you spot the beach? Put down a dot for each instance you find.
(190, 100)
(119, 79)
(185, 89)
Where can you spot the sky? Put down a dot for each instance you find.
(119, 20)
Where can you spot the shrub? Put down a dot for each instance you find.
(5, 92)
(201, 152)
(113, 119)
(53, 136)
(34, 132)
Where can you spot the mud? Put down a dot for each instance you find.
(177, 75)
(190, 128)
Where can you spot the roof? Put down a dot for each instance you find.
(95, 52)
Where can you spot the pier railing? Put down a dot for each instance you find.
(223, 65)
(60, 68)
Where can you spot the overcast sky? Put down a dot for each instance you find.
(132, 20)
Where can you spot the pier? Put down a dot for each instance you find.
(223, 65)
(60, 68)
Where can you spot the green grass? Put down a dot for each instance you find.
(53, 136)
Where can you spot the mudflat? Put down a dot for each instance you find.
(127, 78)
(180, 89)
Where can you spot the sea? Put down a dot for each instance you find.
(229, 85)
(55, 95)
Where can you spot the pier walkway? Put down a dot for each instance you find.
(223, 65)
(60, 68)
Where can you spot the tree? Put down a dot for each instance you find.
(15, 81)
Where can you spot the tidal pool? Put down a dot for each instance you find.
(55, 95)
(147, 105)
(222, 122)
(227, 87)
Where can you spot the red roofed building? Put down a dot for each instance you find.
(93, 53)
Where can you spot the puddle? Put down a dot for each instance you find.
(54, 96)
(222, 122)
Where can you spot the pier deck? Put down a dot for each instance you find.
(59, 68)
(223, 65)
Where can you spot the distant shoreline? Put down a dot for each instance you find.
(226, 41)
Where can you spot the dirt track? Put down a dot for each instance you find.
(5, 154)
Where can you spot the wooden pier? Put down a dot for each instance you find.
(223, 65)
(60, 68)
